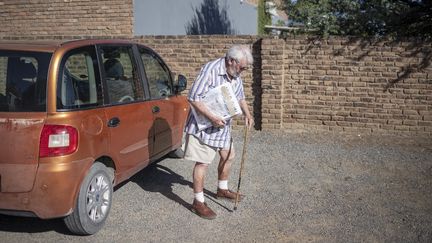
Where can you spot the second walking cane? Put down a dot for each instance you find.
(243, 158)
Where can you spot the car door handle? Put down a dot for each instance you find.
(155, 109)
(113, 122)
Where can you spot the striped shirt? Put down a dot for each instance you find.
(212, 75)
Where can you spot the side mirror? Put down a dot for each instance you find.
(181, 83)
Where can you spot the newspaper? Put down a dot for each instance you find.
(222, 102)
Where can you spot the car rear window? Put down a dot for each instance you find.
(23, 79)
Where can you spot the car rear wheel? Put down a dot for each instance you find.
(93, 202)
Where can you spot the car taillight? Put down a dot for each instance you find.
(57, 140)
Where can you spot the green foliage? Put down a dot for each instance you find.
(264, 18)
(393, 18)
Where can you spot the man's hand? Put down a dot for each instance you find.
(217, 121)
(249, 121)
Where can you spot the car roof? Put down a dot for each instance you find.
(29, 45)
(52, 45)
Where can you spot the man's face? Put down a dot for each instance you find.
(235, 67)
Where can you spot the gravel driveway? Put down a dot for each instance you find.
(300, 187)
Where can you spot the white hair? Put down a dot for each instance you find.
(240, 52)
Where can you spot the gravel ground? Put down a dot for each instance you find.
(300, 187)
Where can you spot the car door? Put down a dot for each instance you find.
(165, 105)
(130, 118)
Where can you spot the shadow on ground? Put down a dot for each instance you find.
(157, 178)
(31, 225)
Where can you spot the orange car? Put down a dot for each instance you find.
(76, 119)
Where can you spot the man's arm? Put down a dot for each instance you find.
(202, 108)
(248, 117)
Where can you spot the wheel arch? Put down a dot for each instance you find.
(109, 163)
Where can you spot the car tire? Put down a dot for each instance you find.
(93, 202)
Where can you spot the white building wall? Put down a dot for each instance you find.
(171, 17)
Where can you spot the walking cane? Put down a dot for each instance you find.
(241, 165)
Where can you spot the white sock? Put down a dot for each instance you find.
(223, 184)
(199, 196)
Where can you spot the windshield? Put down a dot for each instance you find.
(23, 79)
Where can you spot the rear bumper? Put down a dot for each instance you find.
(53, 194)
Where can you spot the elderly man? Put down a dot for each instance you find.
(203, 145)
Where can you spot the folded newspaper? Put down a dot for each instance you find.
(222, 102)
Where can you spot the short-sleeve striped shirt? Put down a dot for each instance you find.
(212, 75)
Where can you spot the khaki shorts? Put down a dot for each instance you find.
(197, 151)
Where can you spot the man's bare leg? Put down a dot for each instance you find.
(198, 206)
(199, 173)
(224, 168)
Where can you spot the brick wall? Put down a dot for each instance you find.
(272, 83)
(336, 84)
(26, 18)
(351, 84)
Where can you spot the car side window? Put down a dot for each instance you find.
(158, 75)
(79, 83)
(120, 74)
